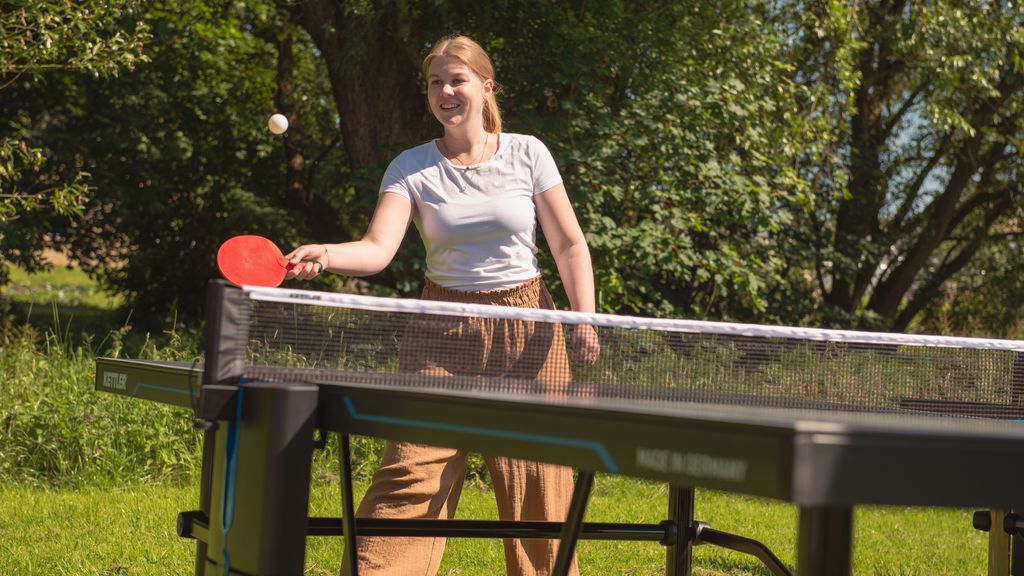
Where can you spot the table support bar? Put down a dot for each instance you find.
(573, 522)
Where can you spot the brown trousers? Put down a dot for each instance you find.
(419, 481)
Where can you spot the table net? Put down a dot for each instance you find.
(324, 337)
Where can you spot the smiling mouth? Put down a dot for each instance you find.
(449, 106)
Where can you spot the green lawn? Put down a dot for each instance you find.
(130, 531)
(63, 300)
(61, 284)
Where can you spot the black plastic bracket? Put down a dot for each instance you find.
(704, 534)
(217, 402)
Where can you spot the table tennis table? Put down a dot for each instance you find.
(260, 436)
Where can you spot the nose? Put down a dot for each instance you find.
(447, 89)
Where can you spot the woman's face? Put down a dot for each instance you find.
(456, 95)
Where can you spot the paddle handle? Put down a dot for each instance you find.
(288, 265)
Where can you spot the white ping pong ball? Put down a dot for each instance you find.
(277, 124)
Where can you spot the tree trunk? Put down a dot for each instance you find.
(858, 218)
(898, 282)
(374, 81)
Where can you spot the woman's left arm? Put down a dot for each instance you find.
(572, 256)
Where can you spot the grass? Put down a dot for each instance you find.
(55, 430)
(65, 285)
(62, 299)
(91, 484)
(129, 531)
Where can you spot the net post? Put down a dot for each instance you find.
(215, 290)
(226, 333)
(678, 555)
(222, 363)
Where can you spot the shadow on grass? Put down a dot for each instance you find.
(95, 328)
(74, 320)
(728, 563)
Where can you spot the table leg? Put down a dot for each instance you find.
(573, 522)
(348, 509)
(205, 487)
(998, 545)
(260, 501)
(1017, 555)
(680, 511)
(825, 544)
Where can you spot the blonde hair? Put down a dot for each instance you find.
(473, 56)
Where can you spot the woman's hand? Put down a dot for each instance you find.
(308, 261)
(586, 347)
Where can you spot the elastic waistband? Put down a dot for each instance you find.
(529, 294)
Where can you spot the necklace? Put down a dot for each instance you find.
(487, 140)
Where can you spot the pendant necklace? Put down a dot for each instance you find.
(462, 185)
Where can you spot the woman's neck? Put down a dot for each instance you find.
(467, 149)
(459, 142)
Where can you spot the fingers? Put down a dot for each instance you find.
(306, 261)
(306, 252)
(586, 346)
(305, 270)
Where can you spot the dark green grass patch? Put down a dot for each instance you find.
(56, 430)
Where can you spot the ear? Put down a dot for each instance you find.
(488, 87)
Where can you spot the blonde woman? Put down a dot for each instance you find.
(476, 195)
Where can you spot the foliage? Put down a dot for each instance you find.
(686, 179)
(184, 162)
(37, 39)
(802, 162)
(56, 430)
(38, 36)
(976, 302)
(919, 181)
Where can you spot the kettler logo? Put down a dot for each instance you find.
(115, 381)
(301, 296)
(692, 464)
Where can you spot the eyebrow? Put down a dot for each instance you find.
(460, 73)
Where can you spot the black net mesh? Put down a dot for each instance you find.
(517, 351)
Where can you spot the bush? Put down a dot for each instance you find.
(57, 431)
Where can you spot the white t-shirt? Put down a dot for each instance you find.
(478, 223)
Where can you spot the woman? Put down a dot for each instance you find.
(476, 195)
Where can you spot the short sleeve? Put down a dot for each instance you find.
(394, 180)
(545, 172)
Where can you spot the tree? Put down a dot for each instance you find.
(805, 162)
(179, 154)
(39, 39)
(182, 164)
(927, 106)
(690, 166)
(681, 172)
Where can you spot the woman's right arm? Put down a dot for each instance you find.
(366, 256)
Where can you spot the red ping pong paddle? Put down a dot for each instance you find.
(252, 260)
